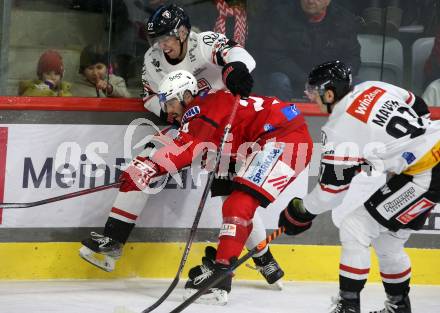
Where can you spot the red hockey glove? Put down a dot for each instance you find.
(295, 218)
(138, 174)
(237, 78)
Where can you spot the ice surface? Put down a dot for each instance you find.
(134, 295)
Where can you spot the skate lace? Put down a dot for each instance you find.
(336, 306)
(267, 269)
(206, 273)
(100, 239)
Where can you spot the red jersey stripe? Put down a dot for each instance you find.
(124, 213)
(353, 270)
(396, 276)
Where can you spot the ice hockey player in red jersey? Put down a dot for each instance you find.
(373, 125)
(217, 63)
(268, 136)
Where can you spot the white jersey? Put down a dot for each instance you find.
(206, 55)
(374, 124)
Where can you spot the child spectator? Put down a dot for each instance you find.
(50, 71)
(96, 79)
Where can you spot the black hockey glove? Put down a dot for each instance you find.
(237, 78)
(295, 218)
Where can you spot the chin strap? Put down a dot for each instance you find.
(328, 105)
(329, 108)
(181, 46)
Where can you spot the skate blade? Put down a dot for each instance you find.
(122, 309)
(103, 262)
(215, 297)
(278, 285)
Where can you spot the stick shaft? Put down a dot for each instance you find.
(59, 198)
(199, 212)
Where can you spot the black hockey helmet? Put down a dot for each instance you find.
(333, 75)
(166, 21)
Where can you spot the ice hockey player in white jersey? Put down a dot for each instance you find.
(377, 126)
(217, 63)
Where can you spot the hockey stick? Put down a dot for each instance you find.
(59, 198)
(223, 275)
(195, 224)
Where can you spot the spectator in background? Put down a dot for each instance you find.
(301, 34)
(96, 79)
(432, 64)
(431, 95)
(379, 11)
(50, 71)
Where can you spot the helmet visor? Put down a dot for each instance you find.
(165, 99)
(158, 40)
(312, 92)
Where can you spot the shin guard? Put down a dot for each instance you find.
(238, 211)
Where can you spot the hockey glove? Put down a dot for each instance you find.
(237, 78)
(295, 218)
(138, 174)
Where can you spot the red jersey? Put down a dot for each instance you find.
(204, 121)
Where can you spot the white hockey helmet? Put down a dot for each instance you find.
(174, 85)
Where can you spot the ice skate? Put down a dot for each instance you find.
(341, 304)
(396, 304)
(201, 275)
(269, 268)
(101, 251)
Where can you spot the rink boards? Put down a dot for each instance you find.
(25, 261)
(44, 155)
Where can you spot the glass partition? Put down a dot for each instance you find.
(388, 40)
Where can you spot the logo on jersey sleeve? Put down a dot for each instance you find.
(210, 38)
(409, 157)
(290, 112)
(190, 113)
(361, 107)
